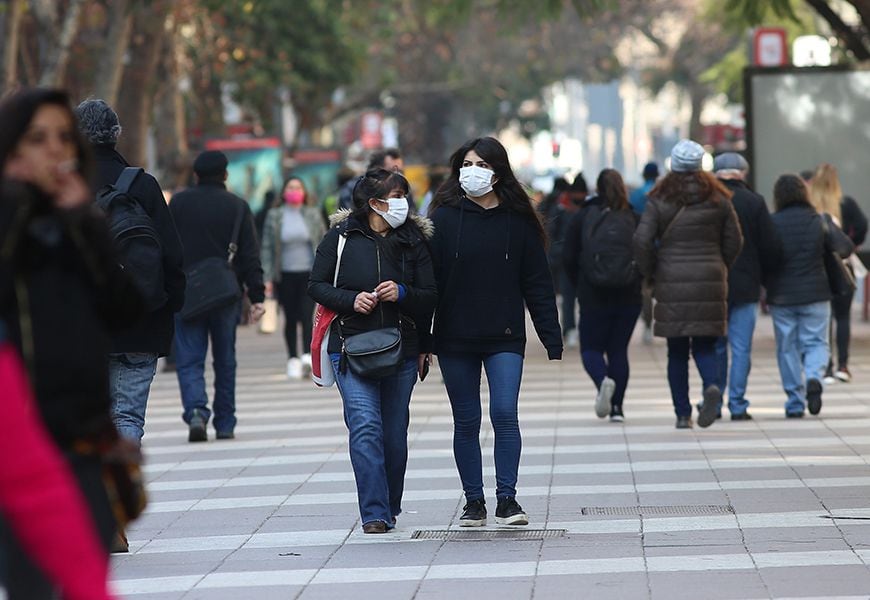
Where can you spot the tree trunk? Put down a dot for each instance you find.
(174, 159)
(136, 99)
(697, 97)
(56, 62)
(108, 79)
(853, 39)
(12, 30)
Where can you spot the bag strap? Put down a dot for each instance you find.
(598, 223)
(127, 178)
(342, 240)
(671, 224)
(233, 247)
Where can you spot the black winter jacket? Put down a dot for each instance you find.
(802, 279)
(61, 295)
(589, 295)
(488, 263)
(762, 248)
(854, 220)
(154, 332)
(204, 215)
(367, 260)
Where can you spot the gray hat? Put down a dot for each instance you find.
(210, 163)
(98, 122)
(686, 156)
(730, 161)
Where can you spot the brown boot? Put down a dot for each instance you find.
(119, 544)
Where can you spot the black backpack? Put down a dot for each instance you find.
(606, 256)
(136, 240)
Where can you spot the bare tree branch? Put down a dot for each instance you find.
(852, 38)
(117, 41)
(10, 45)
(55, 65)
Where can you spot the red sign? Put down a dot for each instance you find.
(769, 47)
(370, 130)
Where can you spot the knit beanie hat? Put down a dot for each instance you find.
(210, 163)
(98, 122)
(686, 156)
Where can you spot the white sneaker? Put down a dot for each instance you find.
(306, 363)
(843, 375)
(294, 368)
(572, 338)
(602, 400)
(829, 380)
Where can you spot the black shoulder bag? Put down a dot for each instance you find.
(373, 354)
(212, 282)
(841, 280)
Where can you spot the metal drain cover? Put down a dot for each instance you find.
(480, 535)
(645, 511)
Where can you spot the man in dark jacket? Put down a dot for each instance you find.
(205, 216)
(135, 350)
(761, 255)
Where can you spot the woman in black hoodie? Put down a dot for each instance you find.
(490, 261)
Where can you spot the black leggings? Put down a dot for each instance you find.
(841, 308)
(298, 308)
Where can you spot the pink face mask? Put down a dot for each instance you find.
(294, 197)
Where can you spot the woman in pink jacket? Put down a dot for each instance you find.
(39, 501)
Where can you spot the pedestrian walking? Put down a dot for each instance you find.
(374, 269)
(638, 201)
(799, 294)
(826, 194)
(62, 295)
(569, 203)
(490, 261)
(135, 350)
(290, 238)
(687, 238)
(760, 257)
(221, 254)
(40, 499)
(600, 265)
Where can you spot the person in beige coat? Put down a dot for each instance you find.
(687, 238)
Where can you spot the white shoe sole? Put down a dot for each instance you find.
(843, 377)
(520, 519)
(602, 400)
(472, 523)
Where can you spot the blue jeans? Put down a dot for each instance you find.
(607, 331)
(130, 377)
(504, 371)
(191, 346)
(802, 349)
(741, 326)
(704, 351)
(376, 412)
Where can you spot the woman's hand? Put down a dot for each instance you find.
(388, 291)
(270, 288)
(365, 302)
(73, 191)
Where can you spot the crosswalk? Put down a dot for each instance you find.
(272, 514)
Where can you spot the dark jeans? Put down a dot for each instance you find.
(191, 346)
(841, 308)
(569, 302)
(20, 576)
(604, 336)
(298, 308)
(703, 349)
(504, 371)
(376, 412)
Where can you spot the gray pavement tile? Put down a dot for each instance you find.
(377, 555)
(513, 588)
(817, 581)
(260, 593)
(710, 585)
(382, 590)
(654, 542)
(606, 586)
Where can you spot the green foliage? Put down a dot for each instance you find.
(755, 12)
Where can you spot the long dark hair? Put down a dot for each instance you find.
(17, 111)
(611, 189)
(674, 186)
(376, 183)
(790, 189)
(507, 188)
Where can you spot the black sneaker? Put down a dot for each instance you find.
(197, 431)
(508, 512)
(474, 514)
(744, 416)
(711, 407)
(684, 422)
(814, 396)
(616, 415)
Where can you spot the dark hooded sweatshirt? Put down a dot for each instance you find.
(489, 263)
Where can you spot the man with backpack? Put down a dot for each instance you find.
(150, 251)
(221, 256)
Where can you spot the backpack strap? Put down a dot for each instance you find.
(671, 224)
(597, 224)
(233, 247)
(127, 178)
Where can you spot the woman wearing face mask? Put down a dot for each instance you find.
(489, 262)
(290, 237)
(384, 279)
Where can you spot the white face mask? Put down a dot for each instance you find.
(396, 214)
(476, 181)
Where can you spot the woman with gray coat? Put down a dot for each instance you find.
(687, 238)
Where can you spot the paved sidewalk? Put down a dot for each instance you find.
(748, 510)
